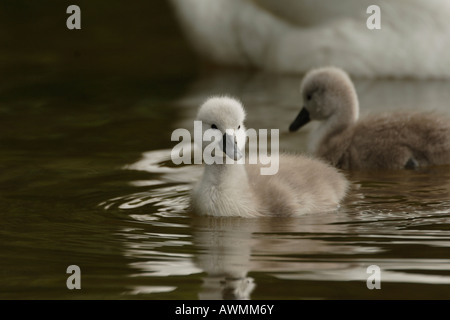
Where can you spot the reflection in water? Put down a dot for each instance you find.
(226, 245)
(149, 289)
(398, 220)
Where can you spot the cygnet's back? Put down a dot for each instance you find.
(301, 185)
(398, 141)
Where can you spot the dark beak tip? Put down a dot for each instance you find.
(302, 119)
(293, 128)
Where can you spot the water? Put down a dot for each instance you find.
(91, 184)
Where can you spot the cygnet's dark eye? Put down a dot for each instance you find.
(309, 97)
(213, 126)
(239, 127)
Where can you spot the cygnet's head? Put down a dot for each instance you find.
(327, 93)
(223, 117)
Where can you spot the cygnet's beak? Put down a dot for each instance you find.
(230, 148)
(302, 119)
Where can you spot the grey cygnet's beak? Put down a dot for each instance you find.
(230, 148)
(302, 119)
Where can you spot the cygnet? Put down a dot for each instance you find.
(399, 140)
(301, 185)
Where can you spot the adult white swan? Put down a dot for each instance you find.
(293, 36)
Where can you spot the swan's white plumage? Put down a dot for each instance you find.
(297, 35)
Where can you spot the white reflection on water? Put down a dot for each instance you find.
(157, 196)
(149, 289)
(154, 162)
(165, 268)
(391, 271)
(169, 199)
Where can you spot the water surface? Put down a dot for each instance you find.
(86, 179)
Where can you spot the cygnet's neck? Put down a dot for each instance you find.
(226, 175)
(346, 115)
(225, 191)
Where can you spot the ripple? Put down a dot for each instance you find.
(168, 195)
(157, 161)
(392, 270)
(164, 268)
(149, 289)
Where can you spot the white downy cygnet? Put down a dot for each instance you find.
(301, 185)
(389, 141)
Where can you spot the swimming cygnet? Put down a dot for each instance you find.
(391, 141)
(301, 185)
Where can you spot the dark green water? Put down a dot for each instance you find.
(85, 180)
